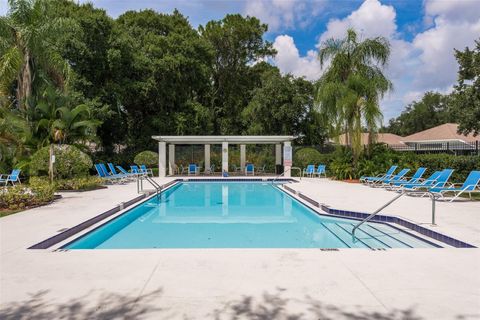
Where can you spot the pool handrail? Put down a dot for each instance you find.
(404, 192)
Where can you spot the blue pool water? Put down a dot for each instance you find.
(235, 215)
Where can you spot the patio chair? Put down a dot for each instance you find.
(146, 170)
(114, 172)
(250, 169)
(136, 170)
(262, 170)
(388, 174)
(416, 178)
(181, 169)
(192, 169)
(321, 169)
(386, 182)
(440, 182)
(309, 170)
(104, 175)
(125, 172)
(470, 185)
(210, 170)
(430, 181)
(237, 169)
(13, 177)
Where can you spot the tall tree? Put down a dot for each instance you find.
(283, 105)
(28, 53)
(466, 97)
(432, 110)
(349, 91)
(237, 43)
(59, 119)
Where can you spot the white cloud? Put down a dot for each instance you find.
(284, 14)
(438, 66)
(371, 19)
(288, 59)
(453, 11)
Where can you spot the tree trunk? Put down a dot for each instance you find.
(50, 162)
(24, 90)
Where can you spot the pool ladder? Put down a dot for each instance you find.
(404, 192)
(290, 169)
(156, 186)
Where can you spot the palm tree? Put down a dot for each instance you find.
(60, 120)
(349, 91)
(27, 48)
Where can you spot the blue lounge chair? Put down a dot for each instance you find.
(192, 169)
(104, 175)
(125, 172)
(430, 181)
(381, 177)
(470, 185)
(145, 170)
(250, 169)
(13, 177)
(321, 170)
(386, 182)
(114, 172)
(440, 182)
(309, 170)
(111, 174)
(416, 178)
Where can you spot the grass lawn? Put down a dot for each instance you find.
(6, 212)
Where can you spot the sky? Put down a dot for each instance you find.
(422, 34)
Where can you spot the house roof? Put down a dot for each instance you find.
(387, 138)
(444, 132)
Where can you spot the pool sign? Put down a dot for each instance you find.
(287, 156)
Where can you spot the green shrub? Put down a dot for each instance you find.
(84, 183)
(39, 192)
(148, 158)
(69, 162)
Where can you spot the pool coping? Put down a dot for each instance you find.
(356, 215)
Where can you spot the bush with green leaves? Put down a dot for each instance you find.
(69, 162)
(82, 183)
(148, 158)
(39, 191)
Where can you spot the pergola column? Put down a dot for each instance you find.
(278, 154)
(207, 157)
(287, 158)
(242, 157)
(224, 156)
(171, 159)
(162, 159)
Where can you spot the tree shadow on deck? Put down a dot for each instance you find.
(108, 306)
(274, 306)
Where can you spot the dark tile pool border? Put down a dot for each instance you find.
(45, 244)
(385, 219)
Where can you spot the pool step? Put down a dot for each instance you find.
(345, 236)
(365, 237)
(385, 237)
(400, 236)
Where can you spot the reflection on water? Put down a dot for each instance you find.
(214, 202)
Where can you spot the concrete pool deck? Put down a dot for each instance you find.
(240, 283)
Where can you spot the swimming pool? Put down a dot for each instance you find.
(235, 215)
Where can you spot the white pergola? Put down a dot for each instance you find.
(224, 141)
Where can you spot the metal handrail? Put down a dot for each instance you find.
(290, 169)
(431, 195)
(158, 188)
